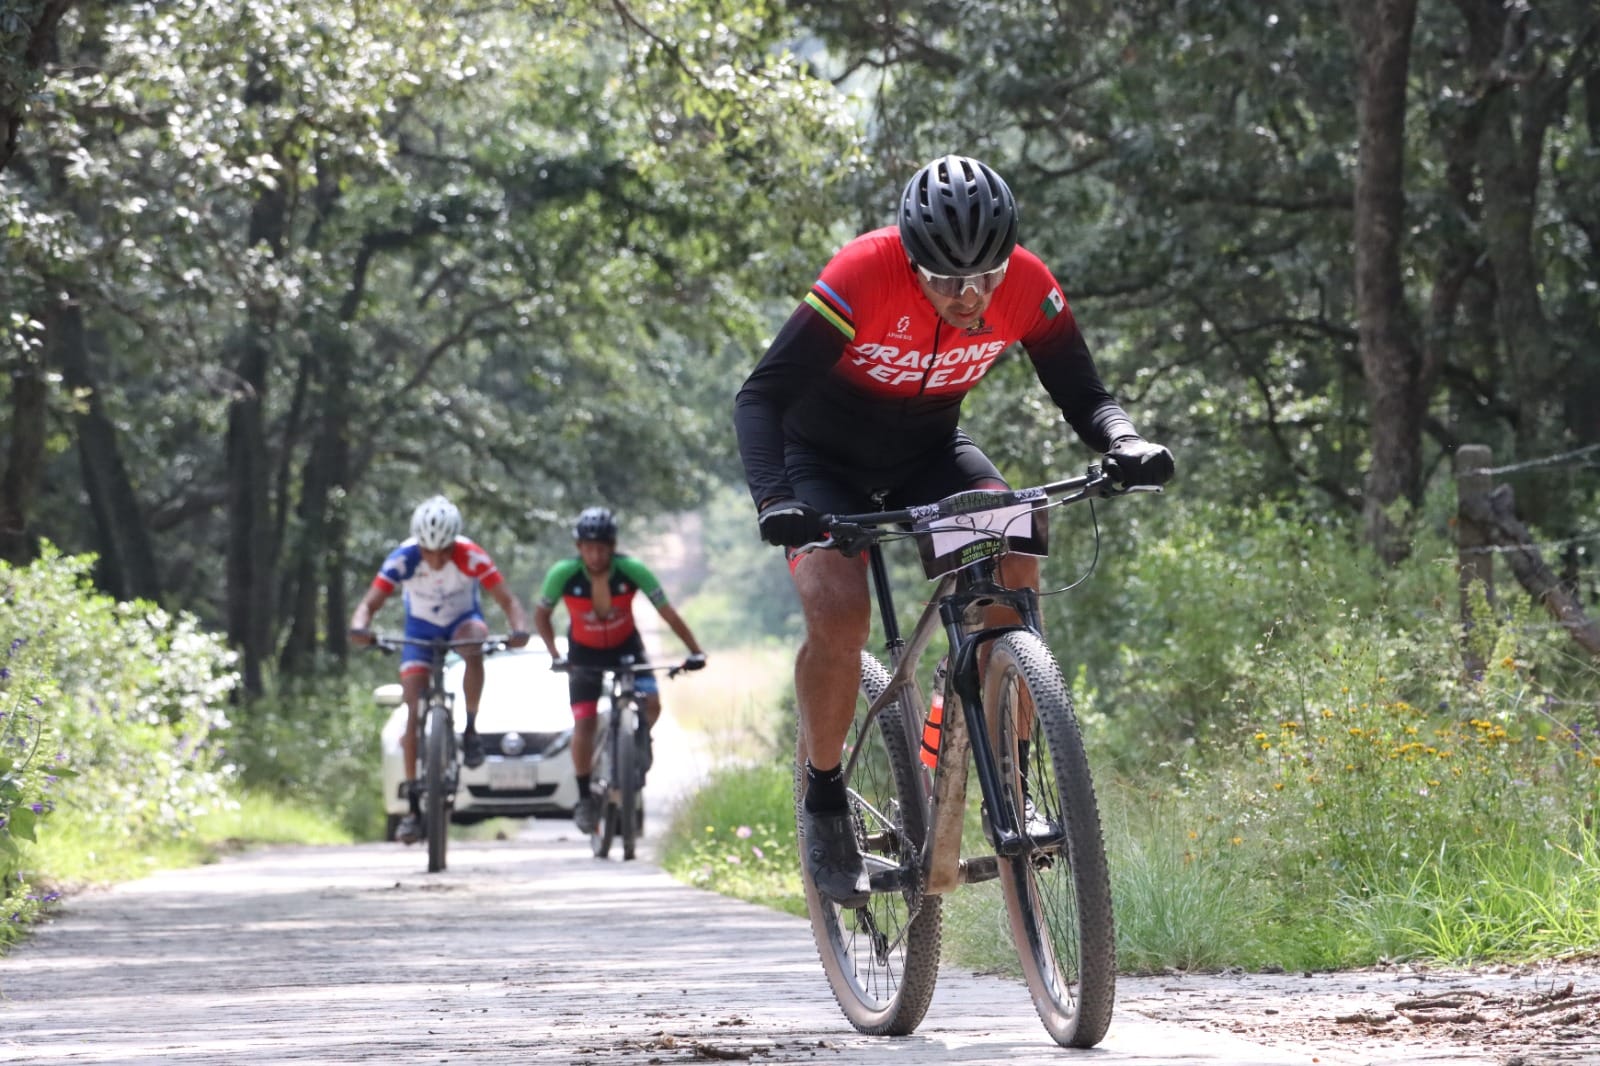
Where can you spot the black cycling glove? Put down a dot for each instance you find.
(789, 522)
(1136, 461)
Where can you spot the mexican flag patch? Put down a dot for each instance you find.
(1053, 304)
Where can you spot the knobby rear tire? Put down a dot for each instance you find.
(881, 961)
(1059, 906)
(436, 805)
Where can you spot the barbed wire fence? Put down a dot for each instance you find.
(1488, 528)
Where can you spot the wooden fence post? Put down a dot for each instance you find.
(1475, 559)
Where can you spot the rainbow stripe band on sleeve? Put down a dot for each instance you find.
(826, 303)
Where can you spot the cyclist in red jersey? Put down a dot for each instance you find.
(855, 408)
(597, 587)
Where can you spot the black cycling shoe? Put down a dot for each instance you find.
(409, 831)
(832, 858)
(472, 750)
(1041, 829)
(586, 815)
(647, 754)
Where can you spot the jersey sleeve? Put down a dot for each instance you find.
(476, 563)
(555, 579)
(397, 568)
(641, 576)
(798, 361)
(1060, 355)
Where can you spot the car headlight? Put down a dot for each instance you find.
(560, 744)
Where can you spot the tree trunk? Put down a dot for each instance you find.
(127, 564)
(1519, 99)
(24, 45)
(1390, 355)
(303, 562)
(250, 578)
(19, 482)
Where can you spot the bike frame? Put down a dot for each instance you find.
(436, 693)
(620, 690)
(958, 597)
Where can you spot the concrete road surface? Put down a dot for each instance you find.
(525, 951)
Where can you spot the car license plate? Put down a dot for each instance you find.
(513, 774)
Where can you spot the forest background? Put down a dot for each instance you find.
(270, 273)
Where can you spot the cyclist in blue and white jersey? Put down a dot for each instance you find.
(440, 572)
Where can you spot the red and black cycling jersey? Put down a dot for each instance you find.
(570, 583)
(866, 374)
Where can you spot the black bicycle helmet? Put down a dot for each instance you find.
(957, 216)
(596, 523)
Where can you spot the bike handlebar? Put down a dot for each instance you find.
(392, 642)
(850, 533)
(562, 666)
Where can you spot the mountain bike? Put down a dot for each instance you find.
(436, 738)
(1014, 722)
(618, 776)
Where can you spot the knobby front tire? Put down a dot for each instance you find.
(627, 748)
(1059, 902)
(881, 960)
(435, 804)
(606, 830)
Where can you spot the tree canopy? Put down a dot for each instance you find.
(275, 271)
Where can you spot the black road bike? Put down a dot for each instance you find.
(436, 738)
(617, 779)
(1015, 725)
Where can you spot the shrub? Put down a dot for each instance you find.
(736, 836)
(137, 693)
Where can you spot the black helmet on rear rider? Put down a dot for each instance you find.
(596, 523)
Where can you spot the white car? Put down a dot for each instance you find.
(525, 720)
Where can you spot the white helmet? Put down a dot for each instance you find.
(436, 523)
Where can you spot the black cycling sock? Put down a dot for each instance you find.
(472, 724)
(1022, 762)
(583, 784)
(825, 789)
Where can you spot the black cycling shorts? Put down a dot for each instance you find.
(835, 488)
(586, 667)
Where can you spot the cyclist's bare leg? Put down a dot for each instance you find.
(412, 686)
(1016, 571)
(583, 734)
(827, 670)
(652, 708)
(472, 657)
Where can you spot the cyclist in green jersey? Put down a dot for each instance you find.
(597, 586)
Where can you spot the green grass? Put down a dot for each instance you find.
(1193, 894)
(1525, 896)
(69, 856)
(736, 837)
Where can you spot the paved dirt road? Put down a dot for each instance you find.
(529, 950)
(526, 950)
